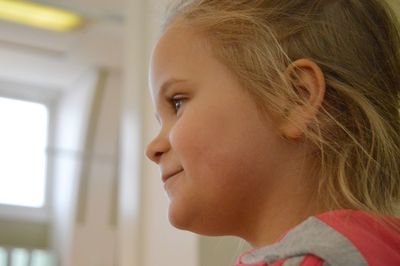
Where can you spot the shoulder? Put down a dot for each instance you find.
(377, 239)
(334, 238)
(306, 260)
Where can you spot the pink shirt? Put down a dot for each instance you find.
(342, 237)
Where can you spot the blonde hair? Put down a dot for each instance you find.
(356, 44)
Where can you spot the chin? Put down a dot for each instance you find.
(180, 219)
(195, 223)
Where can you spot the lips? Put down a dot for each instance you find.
(170, 174)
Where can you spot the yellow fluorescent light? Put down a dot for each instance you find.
(38, 15)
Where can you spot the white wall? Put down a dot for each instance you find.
(70, 129)
(94, 236)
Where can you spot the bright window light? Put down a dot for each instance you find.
(3, 257)
(20, 257)
(23, 140)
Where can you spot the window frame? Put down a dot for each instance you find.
(47, 97)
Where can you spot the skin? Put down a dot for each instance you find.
(236, 171)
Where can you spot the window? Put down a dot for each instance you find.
(23, 163)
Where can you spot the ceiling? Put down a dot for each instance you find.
(55, 60)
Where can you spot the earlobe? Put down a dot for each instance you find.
(308, 85)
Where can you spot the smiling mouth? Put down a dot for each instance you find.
(165, 178)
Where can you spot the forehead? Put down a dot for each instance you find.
(177, 55)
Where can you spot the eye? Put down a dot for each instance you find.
(177, 102)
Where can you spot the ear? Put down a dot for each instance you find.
(308, 82)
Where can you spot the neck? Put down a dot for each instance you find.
(271, 226)
(291, 201)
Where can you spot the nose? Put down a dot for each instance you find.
(157, 147)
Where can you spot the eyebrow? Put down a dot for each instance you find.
(168, 84)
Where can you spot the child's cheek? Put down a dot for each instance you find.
(185, 139)
(194, 139)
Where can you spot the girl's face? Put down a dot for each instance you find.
(220, 160)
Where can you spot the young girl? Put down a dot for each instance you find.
(280, 124)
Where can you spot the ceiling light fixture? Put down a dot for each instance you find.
(38, 15)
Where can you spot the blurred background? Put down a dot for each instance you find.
(75, 116)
